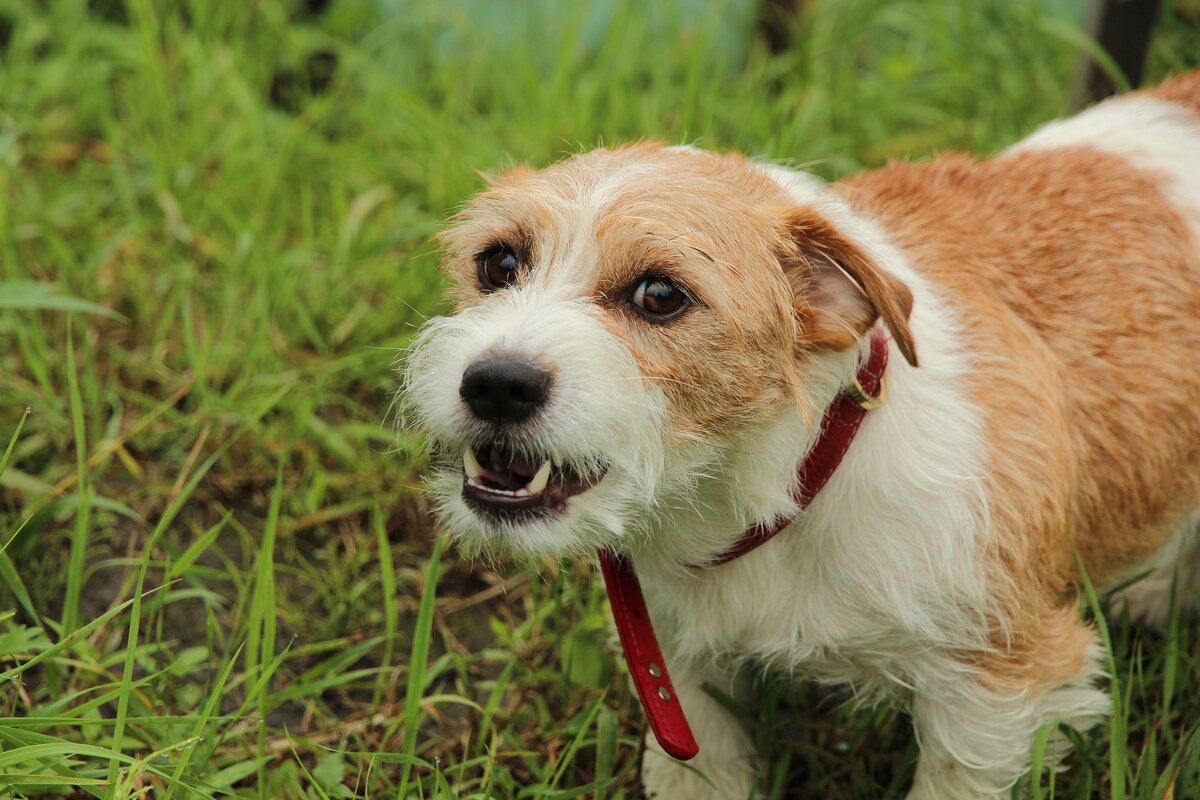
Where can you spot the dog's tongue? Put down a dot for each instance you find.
(508, 470)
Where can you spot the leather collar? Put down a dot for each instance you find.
(638, 640)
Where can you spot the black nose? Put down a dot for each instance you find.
(504, 389)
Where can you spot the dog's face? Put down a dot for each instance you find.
(622, 318)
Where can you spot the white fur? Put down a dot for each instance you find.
(725, 766)
(975, 742)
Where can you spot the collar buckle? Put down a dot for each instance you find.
(859, 395)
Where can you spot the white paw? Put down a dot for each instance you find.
(664, 778)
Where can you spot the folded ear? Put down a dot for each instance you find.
(840, 292)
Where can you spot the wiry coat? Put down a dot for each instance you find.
(1044, 311)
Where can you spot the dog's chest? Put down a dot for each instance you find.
(794, 616)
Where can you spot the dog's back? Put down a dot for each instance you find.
(1073, 260)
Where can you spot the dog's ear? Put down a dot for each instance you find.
(840, 292)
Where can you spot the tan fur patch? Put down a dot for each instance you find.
(1076, 283)
(1182, 89)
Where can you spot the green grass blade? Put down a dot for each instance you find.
(58, 749)
(12, 442)
(260, 644)
(10, 576)
(391, 621)
(251, 699)
(19, 779)
(197, 548)
(34, 295)
(1038, 760)
(136, 606)
(418, 662)
(70, 639)
(568, 757)
(1118, 726)
(607, 728)
(79, 540)
(205, 716)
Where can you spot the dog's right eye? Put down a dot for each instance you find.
(659, 299)
(497, 267)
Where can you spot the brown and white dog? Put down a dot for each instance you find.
(645, 341)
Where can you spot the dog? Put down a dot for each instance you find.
(646, 346)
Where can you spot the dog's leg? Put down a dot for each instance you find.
(1175, 565)
(725, 766)
(976, 724)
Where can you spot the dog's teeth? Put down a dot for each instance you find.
(471, 464)
(540, 479)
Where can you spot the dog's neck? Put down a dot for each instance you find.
(839, 425)
(741, 484)
(647, 667)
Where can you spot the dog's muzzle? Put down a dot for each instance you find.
(499, 479)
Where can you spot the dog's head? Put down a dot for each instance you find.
(622, 318)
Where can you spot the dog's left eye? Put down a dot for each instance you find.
(659, 299)
(497, 267)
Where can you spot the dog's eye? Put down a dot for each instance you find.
(497, 267)
(659, 299)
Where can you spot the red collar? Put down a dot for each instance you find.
(642, 653)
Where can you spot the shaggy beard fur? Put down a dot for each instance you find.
(603, 416)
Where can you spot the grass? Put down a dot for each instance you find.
(216, 578)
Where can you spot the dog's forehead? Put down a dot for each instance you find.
(643, 198)
(677, 183)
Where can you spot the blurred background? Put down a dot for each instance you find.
(217, 577)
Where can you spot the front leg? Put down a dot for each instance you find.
(725, 766)
(975, 725)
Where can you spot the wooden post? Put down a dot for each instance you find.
(775, 21)
(1123, 29)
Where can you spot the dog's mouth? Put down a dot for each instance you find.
(497, 479)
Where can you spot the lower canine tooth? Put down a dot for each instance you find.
(540, 479)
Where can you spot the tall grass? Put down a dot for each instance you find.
(215, 576)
